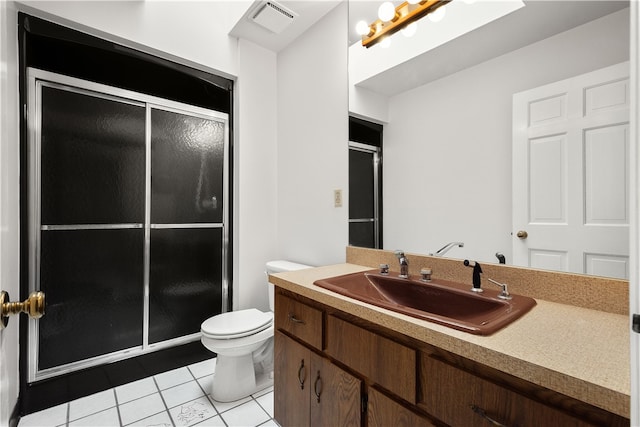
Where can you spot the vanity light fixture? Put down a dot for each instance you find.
(397, 19)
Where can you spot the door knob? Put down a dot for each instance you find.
(33, 306)
(522, 234)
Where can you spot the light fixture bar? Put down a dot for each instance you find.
(405, 14)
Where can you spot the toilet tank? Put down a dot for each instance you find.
(278, 267)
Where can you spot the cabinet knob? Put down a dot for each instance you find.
(522, 234)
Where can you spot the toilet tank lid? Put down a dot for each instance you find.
(282, 265)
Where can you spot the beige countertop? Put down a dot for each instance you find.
(579, 352)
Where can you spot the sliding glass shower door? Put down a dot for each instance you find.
(128, 222)
(187, 194)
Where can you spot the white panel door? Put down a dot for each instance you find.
(571, 174)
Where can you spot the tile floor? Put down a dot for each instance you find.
(175, 398)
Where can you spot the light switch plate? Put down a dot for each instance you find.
(337, 198)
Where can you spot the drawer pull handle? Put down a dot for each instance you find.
(317, 387)
(302, 374)
(294, 319)
(478, 410)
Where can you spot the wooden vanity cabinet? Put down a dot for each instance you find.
(370, 376)
(309, 390)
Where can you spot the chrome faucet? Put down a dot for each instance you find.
(404, 265)
(443, 250)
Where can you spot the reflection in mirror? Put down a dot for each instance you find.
(447, 113)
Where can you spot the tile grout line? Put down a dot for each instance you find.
(163, 401)
(262, 407)
(115, 396)
(209, 398)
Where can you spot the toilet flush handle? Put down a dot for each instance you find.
(33, 306)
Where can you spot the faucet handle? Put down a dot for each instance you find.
(384, 269)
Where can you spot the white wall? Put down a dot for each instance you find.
(9, 205)
(368, 105)
(447, 147)
(255, 232)
(313, 143)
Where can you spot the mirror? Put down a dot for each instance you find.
(447, 113)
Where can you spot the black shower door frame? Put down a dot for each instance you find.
(39, 79)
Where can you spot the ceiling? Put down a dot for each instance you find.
(538, 20)
(309, 12)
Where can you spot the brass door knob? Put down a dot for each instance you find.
(522, 234)
(33, 306)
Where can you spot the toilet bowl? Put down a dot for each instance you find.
(243, 342)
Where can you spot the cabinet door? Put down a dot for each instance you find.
(291, 382)
(335, 395)
(383, 412)
(387, 363)
(462, 399)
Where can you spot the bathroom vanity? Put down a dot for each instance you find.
(339, 361)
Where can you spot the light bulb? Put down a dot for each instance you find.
(386, 11)
(438, 14)
(385, 42)
(362, 28)
(410, 29)
(417, 1)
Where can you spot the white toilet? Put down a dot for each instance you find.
(243, 342)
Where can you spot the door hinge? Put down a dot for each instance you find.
(635, 323)
(364, 402)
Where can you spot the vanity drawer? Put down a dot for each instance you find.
(299, 319)
(460, 398)
(385, 362)
(384, 412)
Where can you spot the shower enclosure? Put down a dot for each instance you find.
(128, 222)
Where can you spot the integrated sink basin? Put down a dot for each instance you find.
(439, 301)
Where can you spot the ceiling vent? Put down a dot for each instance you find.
(273, 16)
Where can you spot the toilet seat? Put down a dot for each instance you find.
(236, 324)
